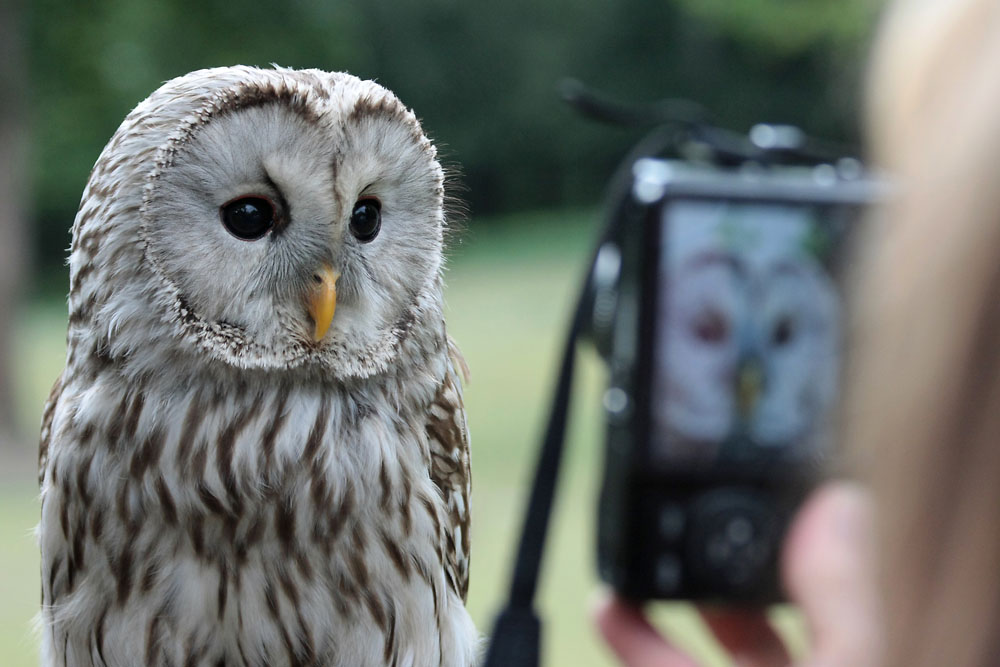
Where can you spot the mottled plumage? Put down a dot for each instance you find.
(224, 482)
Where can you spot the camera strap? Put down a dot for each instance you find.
(517, 633)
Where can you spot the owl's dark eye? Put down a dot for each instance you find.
(248, 218)
(366, 219)
(711, 327)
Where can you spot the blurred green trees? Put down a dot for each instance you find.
(482, 76)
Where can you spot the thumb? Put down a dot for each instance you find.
(829, 571)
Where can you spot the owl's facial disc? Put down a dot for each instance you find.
(294, 229)
(322, 300)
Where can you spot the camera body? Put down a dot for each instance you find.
(718, 305)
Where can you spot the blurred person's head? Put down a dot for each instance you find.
(923, 410)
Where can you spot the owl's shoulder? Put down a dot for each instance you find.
(450, 466)
(48, 416)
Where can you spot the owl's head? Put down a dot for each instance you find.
(267, 218)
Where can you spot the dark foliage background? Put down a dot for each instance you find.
(482, 76)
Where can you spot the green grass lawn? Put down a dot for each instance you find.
(509, 291)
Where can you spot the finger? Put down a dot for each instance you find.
(828, 568)
(633, 639)
(747, 636)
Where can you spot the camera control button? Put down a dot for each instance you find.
(667, 573)
(738, 549)
(718, 551)
(617, 403)
(739, 531)
(670, 522)
(732, 542)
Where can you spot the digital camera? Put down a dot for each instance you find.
(719, 304)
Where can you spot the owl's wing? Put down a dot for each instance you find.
(46, 435)
(448, 436)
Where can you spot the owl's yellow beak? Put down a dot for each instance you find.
(322, 302)
(749, 384)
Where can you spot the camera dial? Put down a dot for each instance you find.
(733, 538)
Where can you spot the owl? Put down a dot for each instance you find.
(257, 453)
(751, 340)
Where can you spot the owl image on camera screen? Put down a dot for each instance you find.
(748, 335)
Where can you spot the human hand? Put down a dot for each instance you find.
(828, 571)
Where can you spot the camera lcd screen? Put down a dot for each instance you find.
(748, 332)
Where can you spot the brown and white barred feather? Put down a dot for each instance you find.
(219, 492)
(448, 435)
(215, 531)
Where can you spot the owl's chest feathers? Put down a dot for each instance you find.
(258, 501)
(211, 461)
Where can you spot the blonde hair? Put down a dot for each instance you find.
(923, 403)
